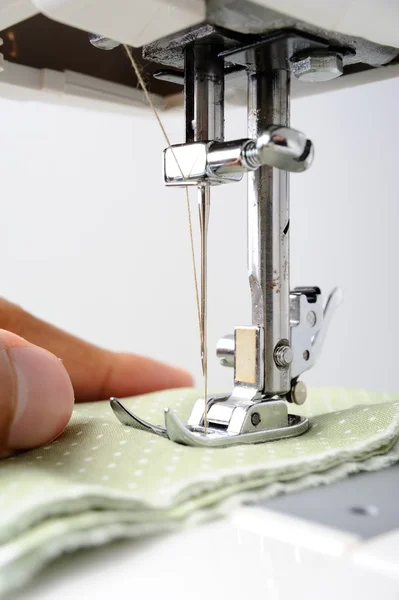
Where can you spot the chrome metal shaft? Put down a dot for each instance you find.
(287, 329)
(268, 227)
(204, 94)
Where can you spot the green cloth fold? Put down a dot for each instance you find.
(102, 480)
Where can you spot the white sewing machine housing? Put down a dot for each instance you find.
(266, 552)
(137, 23)
(313, 544)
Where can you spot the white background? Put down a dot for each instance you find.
(93, 242)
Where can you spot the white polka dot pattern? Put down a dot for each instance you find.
(101, 474)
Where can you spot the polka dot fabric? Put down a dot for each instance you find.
(103, 480)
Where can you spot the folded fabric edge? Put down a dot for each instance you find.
(26, 566)
(79, 499)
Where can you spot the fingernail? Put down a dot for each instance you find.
(44, 397)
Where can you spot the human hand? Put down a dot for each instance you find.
(37, 389)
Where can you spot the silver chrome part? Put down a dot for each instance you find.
(311, 318)
(268, 228)
(228, 158)
(225, 350)
(284, 148)
(276, 146)
(298, 393)
(223, 162)
(318, 67)
(204, 94)
(187, 164)
(101, 42)
(126, 417)
(248, 346)
(215, 438)
(283, 356)
(309, 323)
(334, 300)
(302, 302)
(204, 107)
(287, 329)
(252, 430)
(307, 339)
(236, 417)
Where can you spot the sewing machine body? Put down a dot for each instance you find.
(143, 22)
(255, 547)
(320, 543)
(75, 76)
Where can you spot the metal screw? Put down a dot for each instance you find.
(299, 393)
(314, 68)
(101, 42)
(255, 419)
(283, 356)
(311, 318)
(306, 355)
(297, 155)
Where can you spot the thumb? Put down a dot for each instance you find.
(36, 395)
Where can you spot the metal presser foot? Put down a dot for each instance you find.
(245, 416)
(288, 327)
(249, 421)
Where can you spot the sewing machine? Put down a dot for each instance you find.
(213, 51)
(247, 53)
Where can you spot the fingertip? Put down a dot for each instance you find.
(12, 340)
(44, 397)
(153, 375)
(183, 378)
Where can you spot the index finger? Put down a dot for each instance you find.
(95, 373)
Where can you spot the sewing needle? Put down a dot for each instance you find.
(204, 207)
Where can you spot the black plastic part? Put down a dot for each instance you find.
(310, 292)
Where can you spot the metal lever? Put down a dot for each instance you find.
(309, 325)
(334, 300)
(309, 332)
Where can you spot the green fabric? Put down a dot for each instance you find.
(102, 480)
